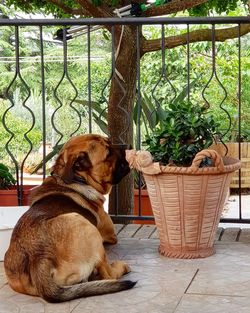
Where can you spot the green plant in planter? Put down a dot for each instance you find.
(185, 130)
(6, 178)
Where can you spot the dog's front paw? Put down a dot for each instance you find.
(111, 240)
(127, 268)
(121, 267)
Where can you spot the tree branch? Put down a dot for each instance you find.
(96, 11)
(173, 7)
(66, 9)
(195, 36)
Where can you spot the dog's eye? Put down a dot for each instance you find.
(109, 152)
(82, 162)
(78, 165)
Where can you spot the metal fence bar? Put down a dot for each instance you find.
(128, 21)
(188, 62)
(239, 117)
(89, 79)
(138, 100)
(43, 100)
(112, 22)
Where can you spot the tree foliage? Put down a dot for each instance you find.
(218, 6)
(73, 8)
(126, 61)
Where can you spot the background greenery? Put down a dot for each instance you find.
(69, 106)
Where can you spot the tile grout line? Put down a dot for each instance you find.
(177, 304)
(201, 294)
(191, 281)
(216, 294)
(3, 285)
(221, 234)
(151, 234)
(238, 235)
(71, 311)
(133, 235)
(121, 229)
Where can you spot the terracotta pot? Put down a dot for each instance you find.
(146, 209)
(187, 202)
(233, 151)
(8, 197)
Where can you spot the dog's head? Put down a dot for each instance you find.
(92, 159)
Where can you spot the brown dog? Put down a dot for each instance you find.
(56, 250)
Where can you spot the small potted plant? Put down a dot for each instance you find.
(7, 182)
(6, 178)
(9, 190)
(187, 183)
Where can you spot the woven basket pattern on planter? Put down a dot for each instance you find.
(187, 203)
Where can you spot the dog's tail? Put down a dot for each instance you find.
(51, 292)
(87, 289)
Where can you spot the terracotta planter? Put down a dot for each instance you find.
(233, 151)
(146, 209)
(187, 202)
(8, 197)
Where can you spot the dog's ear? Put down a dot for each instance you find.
(68, 171)
(73, 164)
(82, 163)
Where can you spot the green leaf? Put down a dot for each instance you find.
(183, 94)
(149, 111)
(101, 123)
(95, 106)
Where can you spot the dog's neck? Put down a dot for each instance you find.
(81, 186)
(77, 179)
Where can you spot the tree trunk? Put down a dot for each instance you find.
(120, 117)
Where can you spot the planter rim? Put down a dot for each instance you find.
(143, 161)
(13, 189)
(230, 165)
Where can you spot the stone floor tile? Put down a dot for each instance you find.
(172, 281)
(8, 307)
(137, 300)
(218, 233)
(221, 282)
(145, 232)
(118, 227)
(65, 307)
(155, 234)
(232, 256)
(213, 304)
(230, 234)
(164, 285)
(129, 230)
(24, 303)
(3, 279)
(229, 256)
(133, 248)
(6, 292)
(245, 235)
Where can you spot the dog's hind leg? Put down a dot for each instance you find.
(112, 271)
(106, 228)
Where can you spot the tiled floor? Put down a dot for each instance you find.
(220, 283)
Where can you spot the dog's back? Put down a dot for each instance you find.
(43, 239)
(57, 245)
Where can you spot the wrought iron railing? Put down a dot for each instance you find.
(30, 40)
